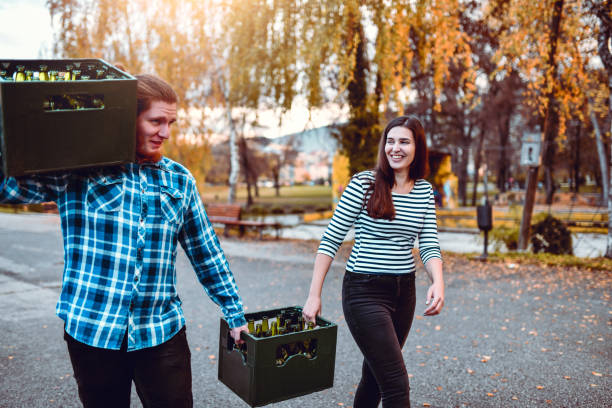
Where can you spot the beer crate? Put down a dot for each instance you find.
(256, 376)
(65, 124)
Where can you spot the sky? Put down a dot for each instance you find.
(26, 33)
(25, 29)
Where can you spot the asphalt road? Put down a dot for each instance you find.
(510, 335)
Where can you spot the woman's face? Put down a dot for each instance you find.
(400, 148)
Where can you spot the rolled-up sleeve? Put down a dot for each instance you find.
(198, 239)
(429, 246)
(31, 189)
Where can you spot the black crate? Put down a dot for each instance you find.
(259, 381)
(48, 126)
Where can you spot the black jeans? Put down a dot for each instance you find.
(379, 310)
(162, 374)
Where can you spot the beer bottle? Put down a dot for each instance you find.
(49, 104)
(307, 351)
(98, 103)
(310, 326)
(280, 318)
(4, 75)
(43, 74)
(68, 73)
(52, 76)
(251, 323)
(20, 75)
(29, 76)
(76, 75)
(300, 323)
(274, 329)
(265, 326)
(258, 330)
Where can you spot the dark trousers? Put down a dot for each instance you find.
(162, 374)
(379, 310)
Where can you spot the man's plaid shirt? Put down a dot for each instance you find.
(121, 226)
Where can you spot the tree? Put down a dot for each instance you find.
(147, 36)
(603, 10)
(278, 159)
(321, 50)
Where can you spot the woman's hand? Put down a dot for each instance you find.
(435, 299)
(312, 308)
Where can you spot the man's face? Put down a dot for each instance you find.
(153, 128)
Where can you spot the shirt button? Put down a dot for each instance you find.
(142, 221)
(136, 278)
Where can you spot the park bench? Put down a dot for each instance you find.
(230, 216)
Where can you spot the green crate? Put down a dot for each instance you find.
(259, 381)
(41, 131)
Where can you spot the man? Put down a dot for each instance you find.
(121, 225)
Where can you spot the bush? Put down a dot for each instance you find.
(552, 236)
(506, 235)
(277, 210)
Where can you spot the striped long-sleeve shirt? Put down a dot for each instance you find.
(121, 227)
(383, 246)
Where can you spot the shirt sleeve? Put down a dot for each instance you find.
(348, 209)
(429, 246)
(198, 239)
(31, 189)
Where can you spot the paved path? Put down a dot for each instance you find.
(510, 336)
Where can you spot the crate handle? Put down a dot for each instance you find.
(73, 102)
(231, 344)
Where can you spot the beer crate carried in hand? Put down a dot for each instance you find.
(281, 360)
(65, 114)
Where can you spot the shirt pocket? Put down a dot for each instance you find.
(105, 193)
(171, 204)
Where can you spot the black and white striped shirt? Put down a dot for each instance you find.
(383, 246)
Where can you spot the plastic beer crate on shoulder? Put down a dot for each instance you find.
(259, 378)
(65, 114)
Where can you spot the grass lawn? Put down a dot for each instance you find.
(291, 197)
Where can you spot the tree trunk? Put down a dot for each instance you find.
(234, 159)
(609, 244)
(502, 169)
(550, 129)
(603, 48)
(601, 153)
(576, 167)
(478, 160)
(463, 175)
(551, 120)
(463, 165)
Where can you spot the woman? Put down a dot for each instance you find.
(390, 206)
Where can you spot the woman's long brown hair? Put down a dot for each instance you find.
(380, 203)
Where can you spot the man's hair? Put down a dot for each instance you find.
(151, 88)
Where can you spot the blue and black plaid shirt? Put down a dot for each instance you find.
(121, 226)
